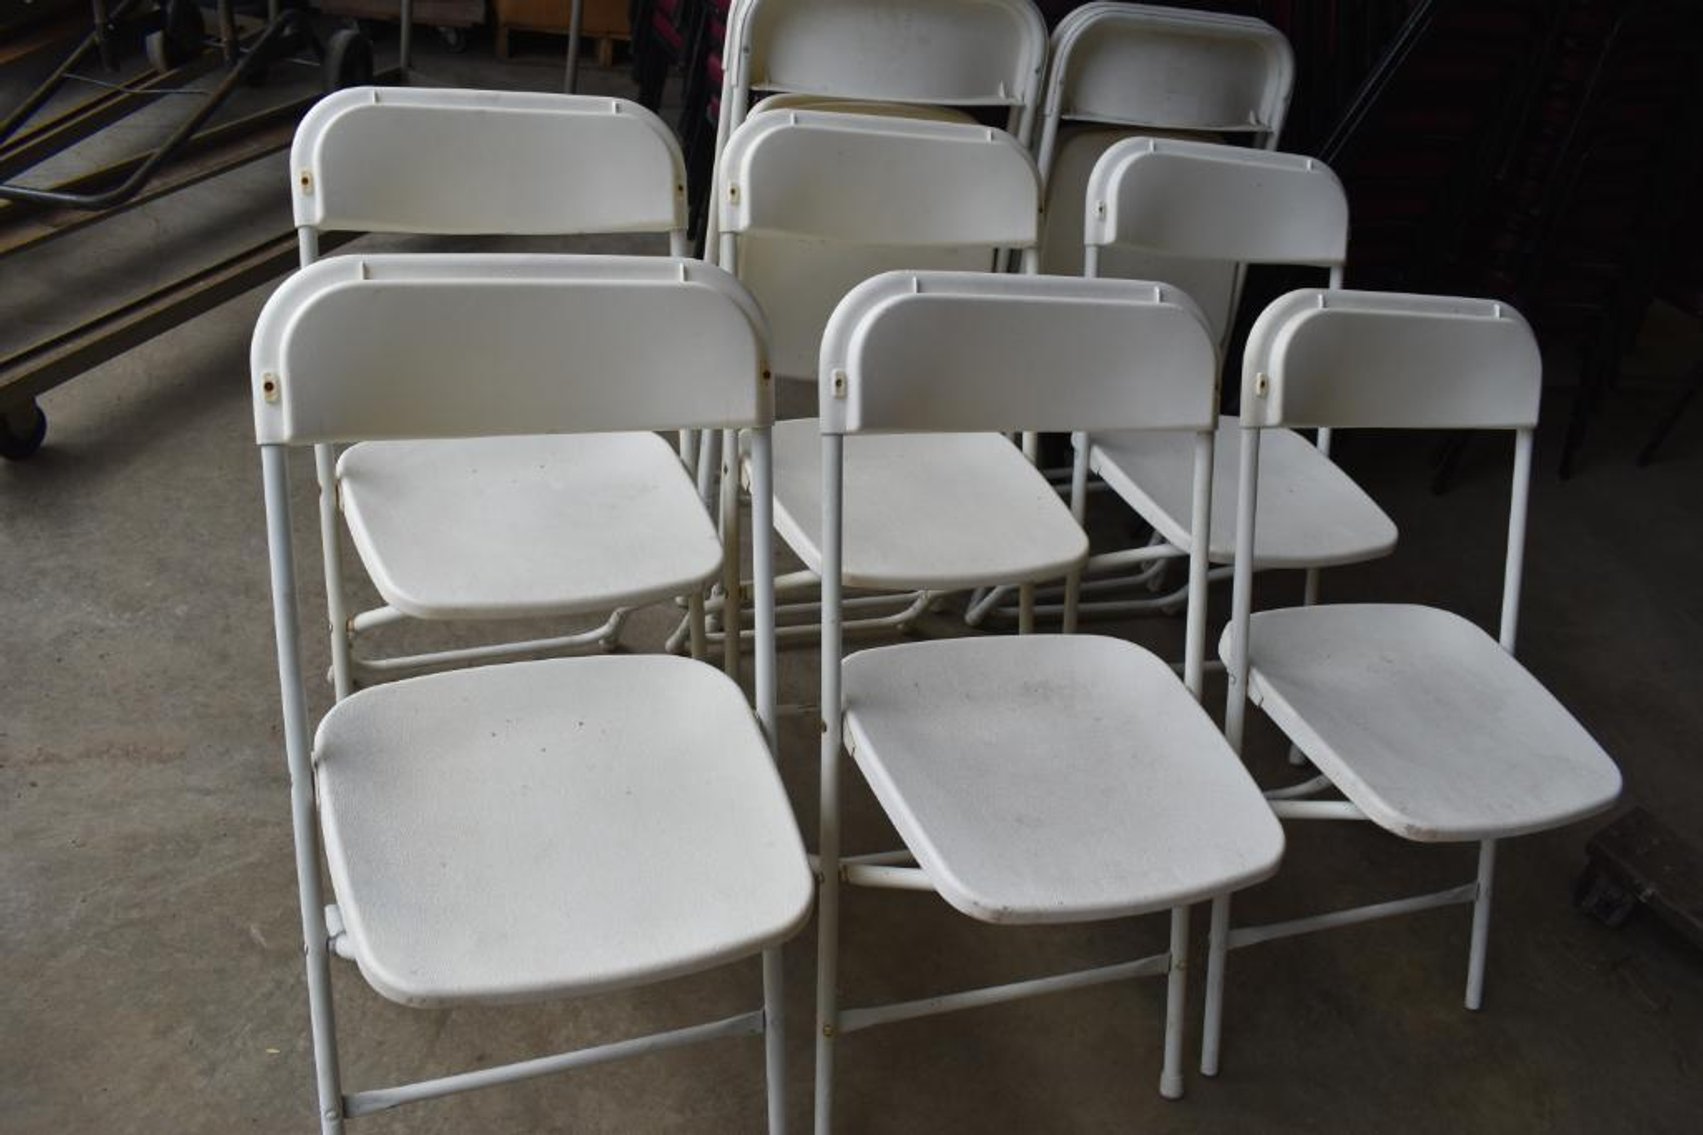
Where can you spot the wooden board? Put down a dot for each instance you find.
(1640, 860)
(603, 22)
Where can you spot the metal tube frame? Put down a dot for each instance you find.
(1318, 783)
(304, 821)
(917, 605)
(331, 557)
(885, 870)
(1155, 556)
(382, 1099)
(1351, 916)
(576, 19)
(1284, 802)
(828, 836)
(770, 1021)
(766, 687)
(1315, 809)
(102, 16)
(317, 933)
(606, 635)
(853, 1020)
(252, 60)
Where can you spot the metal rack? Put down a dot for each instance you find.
(195, 151)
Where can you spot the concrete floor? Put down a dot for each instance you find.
(152, 965)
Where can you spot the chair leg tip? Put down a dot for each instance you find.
(1171, 1085)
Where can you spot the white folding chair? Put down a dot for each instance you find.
(966, 53)
(1115, 69)
(1425, 724)
(468, 529)
(531, 830)
(1195, 214)
(947, 53)
(812, 203)
(1118, 69)
(1037, 778)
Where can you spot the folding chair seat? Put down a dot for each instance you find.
(530, 830)
(532, 526)
(1312, 514)
(554, 828)
(958, 740)
(1358, 686)
(482, 528)
(1033, 779)
(966, 492)
(1425, 724)
(812, 203)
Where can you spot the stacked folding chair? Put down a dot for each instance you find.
(465, 529)
(527, 831)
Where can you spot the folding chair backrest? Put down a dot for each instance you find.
(939, 351)
(1383, 360)
(1194, 213)
(402, 159)
(1170, 68)
(468, 345)
(812, 203)
(947, 52)
(1117, 69)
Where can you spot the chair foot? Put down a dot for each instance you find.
(1218, 948)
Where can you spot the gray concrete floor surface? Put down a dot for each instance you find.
(152, 960)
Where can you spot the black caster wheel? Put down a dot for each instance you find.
(348, 60)
(180, 38)
(21, 431)
(1603, 898)
(453, 39)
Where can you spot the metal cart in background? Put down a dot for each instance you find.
(181, 50)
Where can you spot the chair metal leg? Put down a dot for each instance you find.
(709, 446)
(1079, 512)
(827, 969)
(1176, 998)
(304, 822)
(730, 549)
(325, 469)
(774, 1039)
(828, 784)
(323, 1026)
(1480, 925)
(1309, 598)
(1218, 948)
(695, 624)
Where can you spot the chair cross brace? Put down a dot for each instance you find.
(382, 1099)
